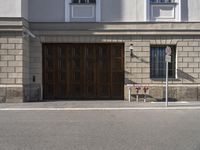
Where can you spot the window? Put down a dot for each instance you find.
(162, 1)
(158, 64)
(82, 10)
(84, 1)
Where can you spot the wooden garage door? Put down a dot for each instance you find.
(83, 71)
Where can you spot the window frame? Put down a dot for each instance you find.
(68, 4)
(83, 2)
(172, 65)
(157, 3)
(162, 1)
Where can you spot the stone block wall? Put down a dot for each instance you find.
(137, 69)
(186, 84)
(35, 70)
(14, 69)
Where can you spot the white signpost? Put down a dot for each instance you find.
(168, 52)
(129, 91)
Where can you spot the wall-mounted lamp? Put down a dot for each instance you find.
(131, 50)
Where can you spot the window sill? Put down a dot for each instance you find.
(82, 3)
(173, 3)
(163, 79)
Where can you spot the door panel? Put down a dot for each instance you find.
(49, 69)
(83, 71)
(103, 71)
(75, 72)
(61, 72)
(117, 70)
(89, 71)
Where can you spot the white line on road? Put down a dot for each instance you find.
(181, 102)
(99, 109)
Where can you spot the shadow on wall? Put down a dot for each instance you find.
(140, 59)
(184, 75)
(184, 10)
(128, 81)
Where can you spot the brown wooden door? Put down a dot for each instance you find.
(61, 72)
(117, 70)
(75, 71)
(49, 70)
(83, 71)
(103, 71)
(89, 71)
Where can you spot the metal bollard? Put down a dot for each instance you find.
(145, 88)
(138, 88)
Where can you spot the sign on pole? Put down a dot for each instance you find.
(168, 58)
(168, 52)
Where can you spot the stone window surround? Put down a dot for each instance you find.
(159, 1)
(86, 1)
(148, 11)
(67, 10)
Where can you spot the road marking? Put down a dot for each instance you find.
(176, 85)
(12, 85)
(180, 102)
(100, 109)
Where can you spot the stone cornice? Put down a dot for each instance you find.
(114, 28)
(13, 24)
(141, 28)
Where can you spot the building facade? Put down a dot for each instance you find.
(91, 49)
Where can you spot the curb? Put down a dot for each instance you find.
(100, 109)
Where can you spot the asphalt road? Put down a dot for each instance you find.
(100, 130)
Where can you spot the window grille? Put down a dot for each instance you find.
(158, 64)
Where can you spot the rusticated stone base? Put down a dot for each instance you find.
(157, 93)
(27, 93)
(34, 93)
(14, 94)
(199, 93)
(2, 95)
(11, 95)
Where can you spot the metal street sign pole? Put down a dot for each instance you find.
(167, 60)
(166, 90)
(129, 94)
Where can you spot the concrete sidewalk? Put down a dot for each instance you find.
(100, 105)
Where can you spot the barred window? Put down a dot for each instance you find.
(158, 64)
(84, 1)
